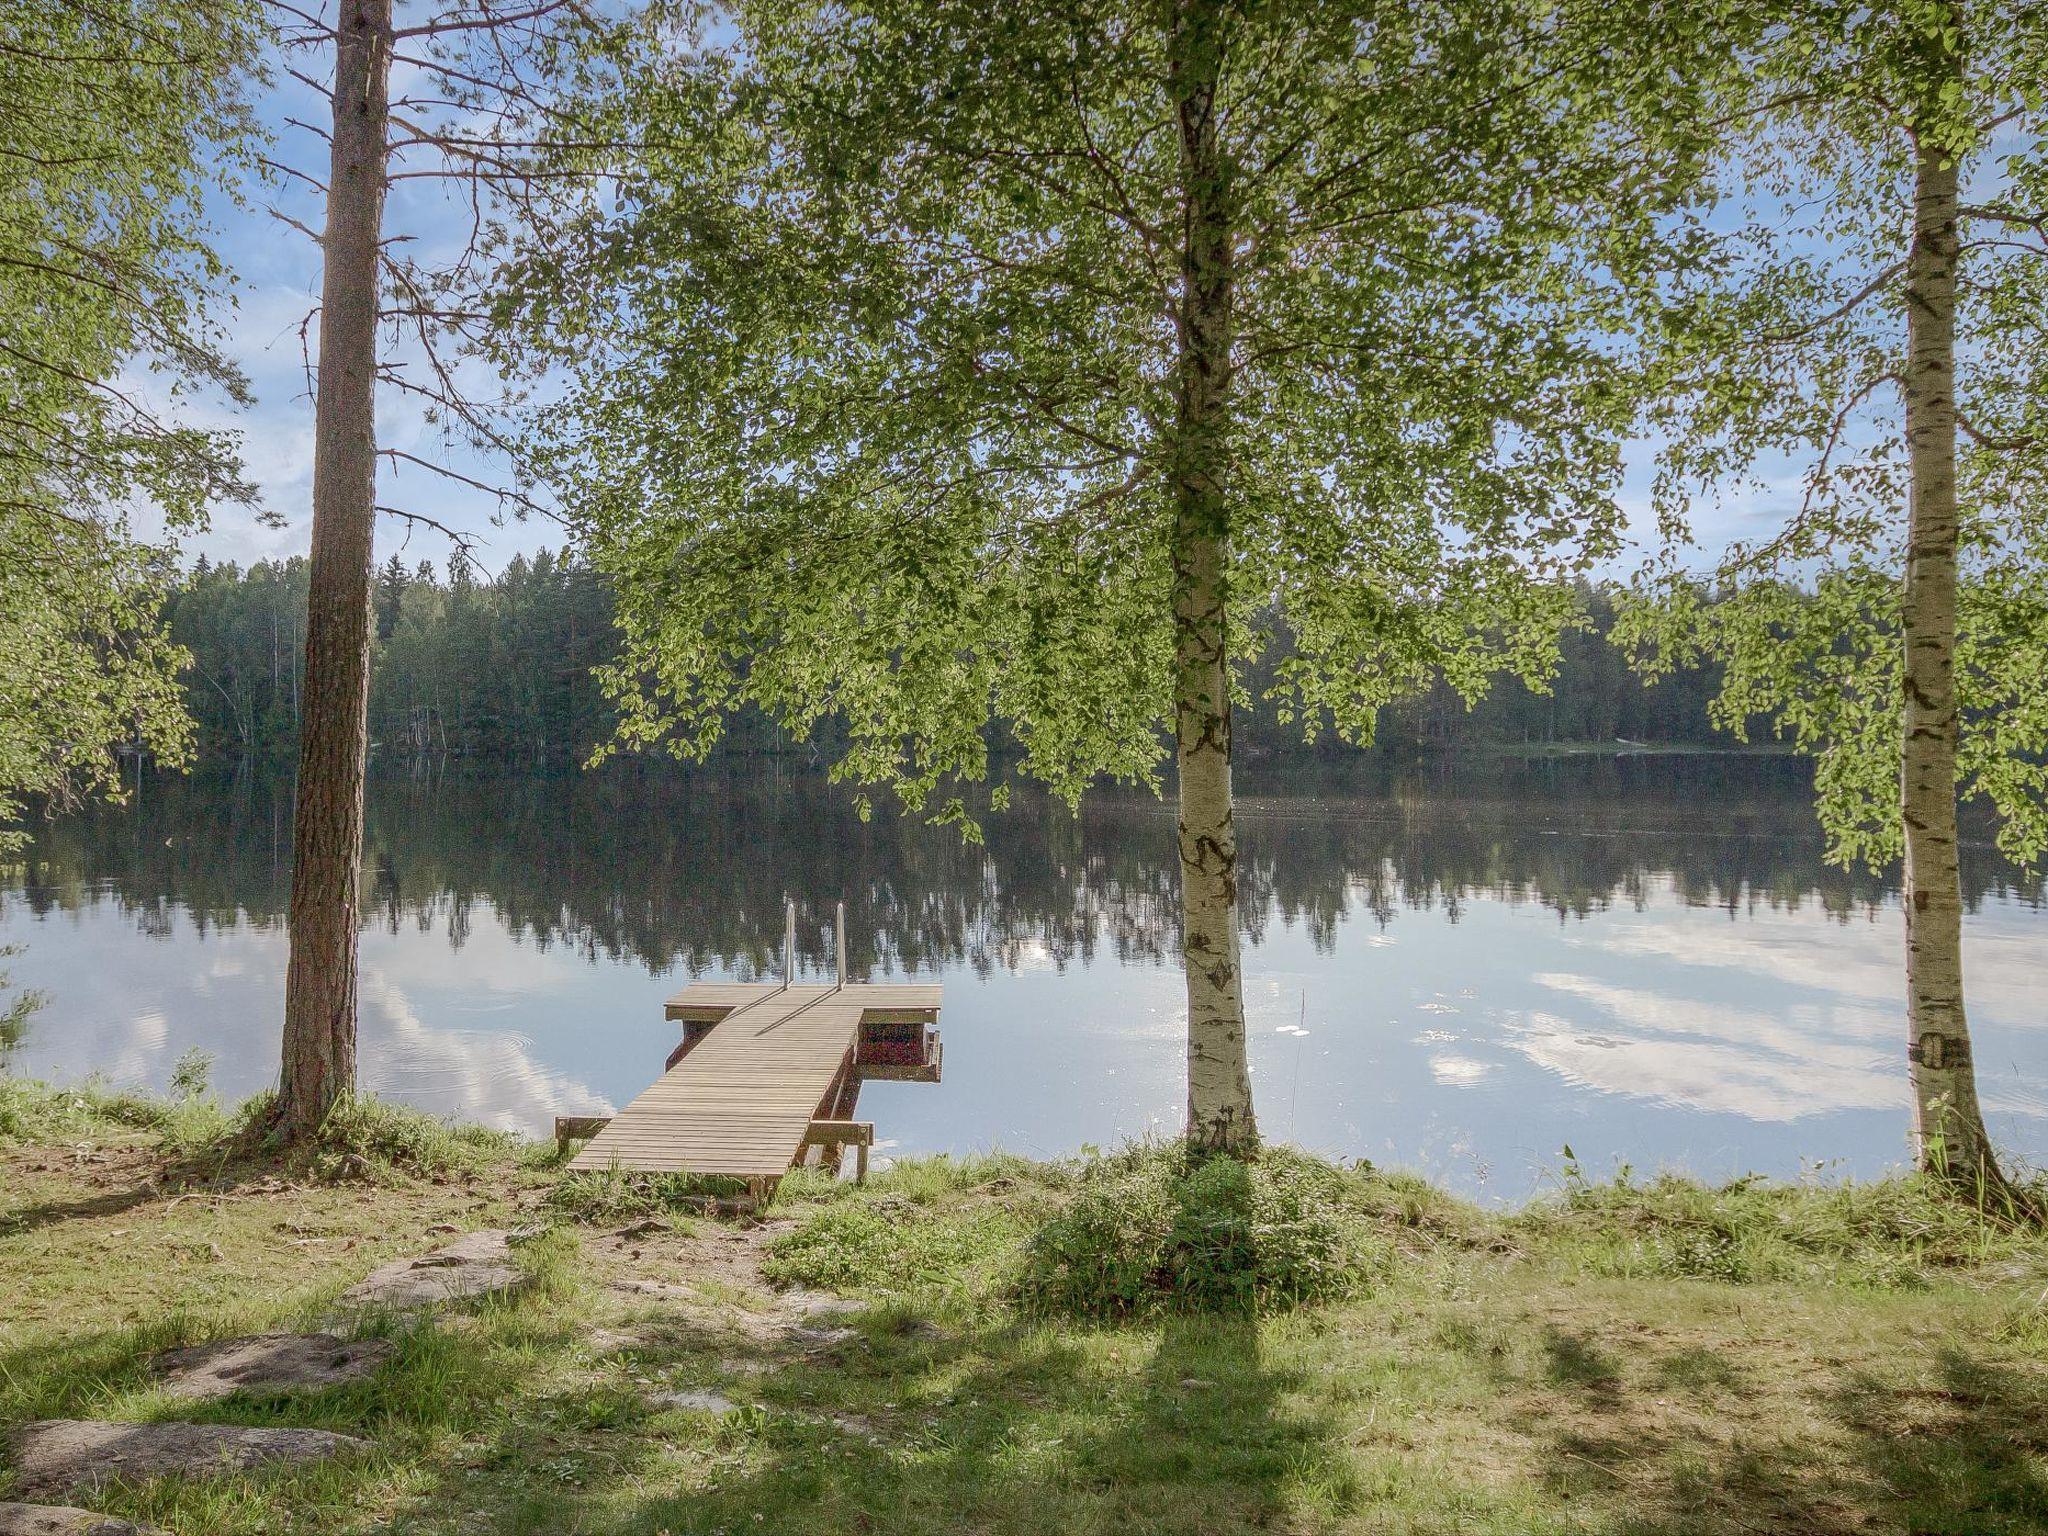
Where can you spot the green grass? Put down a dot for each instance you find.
(1619, 1358)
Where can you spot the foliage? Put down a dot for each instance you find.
(1160, 1227)
(34, 1112)
(485, 670)
(116, 116)
(1784, 353)
(615, 1195)
(496, 671)
(1896, 1231)
(370, 1138)
(870, 372)
(890, 1247)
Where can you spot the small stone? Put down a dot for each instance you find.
(269, 1362)
(476, 1264)
(69, 1455)
(62, 1520)
(1195, 1383)
(698, 1402)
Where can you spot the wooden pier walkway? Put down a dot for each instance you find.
(766, 1077)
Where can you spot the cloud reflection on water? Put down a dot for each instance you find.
(1485, 973)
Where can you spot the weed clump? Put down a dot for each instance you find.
(185, 1121)
(1158, 1227)
(618, 1195)
(1884, 1233)
(368, 1138)
(890, 1245)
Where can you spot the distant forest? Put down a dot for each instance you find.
(498, 673)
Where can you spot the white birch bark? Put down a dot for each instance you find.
(1219, 1077)
(1948, 1124)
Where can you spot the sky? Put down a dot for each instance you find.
(273, 331)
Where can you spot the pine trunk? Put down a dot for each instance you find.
(1219, 1078)
(327, 832)
(1948, 1126)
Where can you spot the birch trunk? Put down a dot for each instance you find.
(1219, 1078)
(1948, 1126)
(327, 830)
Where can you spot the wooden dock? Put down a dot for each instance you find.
(766, 1078)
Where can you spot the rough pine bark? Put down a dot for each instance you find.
(327, 830)
(1219, 1078)
(1948, 1125)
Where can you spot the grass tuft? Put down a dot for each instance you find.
(1896, 1232)
(1158, 1227)
(36, 1113)
(370, 1139)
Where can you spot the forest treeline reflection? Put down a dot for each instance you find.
(690, 870)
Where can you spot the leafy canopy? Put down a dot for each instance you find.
(114, 114)
(865, 358)
(1788, 350)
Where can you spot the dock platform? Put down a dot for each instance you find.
(767, 1077)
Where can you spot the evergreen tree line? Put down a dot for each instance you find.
(500, 672)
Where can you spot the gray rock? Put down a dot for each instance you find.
(62, 1520)
(475, 1264)
(269, 1362)
(68, 1455)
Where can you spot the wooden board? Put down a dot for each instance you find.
(742, 1101)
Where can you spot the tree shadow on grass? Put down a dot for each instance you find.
(1967, 1455)
(1177, 1427)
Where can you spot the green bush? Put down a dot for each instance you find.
(1889, 1233)
(890, 1244)
(32, 1111)
(368, 1138)
(1159, 1227)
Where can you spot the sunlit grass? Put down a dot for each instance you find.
(1658, 1357)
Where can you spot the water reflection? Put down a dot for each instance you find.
(1464, 972)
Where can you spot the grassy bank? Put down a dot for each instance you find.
(1642, 1358)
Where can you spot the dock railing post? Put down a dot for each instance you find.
(788, 944)
(839, 944)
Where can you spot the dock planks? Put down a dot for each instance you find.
(741, 1101)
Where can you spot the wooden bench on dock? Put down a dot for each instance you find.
(766, 1078)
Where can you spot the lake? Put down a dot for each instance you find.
(1461, 972)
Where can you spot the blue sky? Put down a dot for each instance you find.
(274, 327)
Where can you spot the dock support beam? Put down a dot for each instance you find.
(788, 944)
(839, 945)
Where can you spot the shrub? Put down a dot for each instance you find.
(1889, 1232)
(32, 1111)
(368, 1138)
(890, 1244)
(1159, 1227)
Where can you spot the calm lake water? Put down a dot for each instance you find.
(1645, 959)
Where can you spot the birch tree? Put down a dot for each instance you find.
(116, 119)
(974, 373)
(1878, 321)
